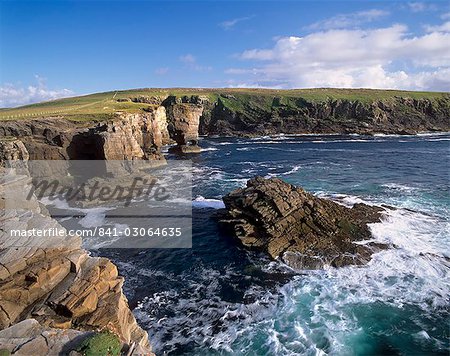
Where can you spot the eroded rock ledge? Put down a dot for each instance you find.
(298, 228)
(52, 280)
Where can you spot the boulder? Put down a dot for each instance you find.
(304, 231)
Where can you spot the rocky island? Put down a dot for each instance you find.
(294, 226)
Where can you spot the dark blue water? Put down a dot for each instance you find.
(217, 298)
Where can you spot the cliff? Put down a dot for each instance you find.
(127, 137)
(298, 228)
(138, 125)
(53, 280)
(251, 115)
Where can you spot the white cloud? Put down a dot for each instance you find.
(12, 95)
(229, 24)
(191, 62)
(378, 58)
(162, 70)
(419, 6)
(188, 58)
(349, 20)
(445, 27)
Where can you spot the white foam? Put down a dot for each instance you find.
(399, 187)
(209, 149)
(344, 199)
(93, 218)
(202, 202)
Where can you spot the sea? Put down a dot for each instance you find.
(217, 298)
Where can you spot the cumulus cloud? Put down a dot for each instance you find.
(445, 27)
(229, 24)
(349, 20)
(12, 95)
(377, 58)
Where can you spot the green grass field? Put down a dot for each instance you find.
(100, 106)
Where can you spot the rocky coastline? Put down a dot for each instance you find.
(59, 289)
(180, 120)
(54, 294)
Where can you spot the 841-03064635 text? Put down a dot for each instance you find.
(101, 232)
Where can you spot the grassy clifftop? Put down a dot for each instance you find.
(101, 106)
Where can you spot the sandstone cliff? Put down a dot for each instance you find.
(51, 279)
(298, 228)
(128, 137)
(184, 119)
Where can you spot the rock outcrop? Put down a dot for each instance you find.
(180, 120)
(130, 137)
(13, 149)
(298, 228)
(183, 118)
(50, 278)
(28, 337)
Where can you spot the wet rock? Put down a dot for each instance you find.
(298, 228)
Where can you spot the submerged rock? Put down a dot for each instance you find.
(298, 228)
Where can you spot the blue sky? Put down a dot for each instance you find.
(57, 48)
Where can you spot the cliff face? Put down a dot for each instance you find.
(52, 279)
(253, 116)
(130, 136)
(180, 120)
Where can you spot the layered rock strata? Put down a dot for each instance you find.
(183, 122)
(50, 278)
(128, 137)
(253, 115)
(298, 228)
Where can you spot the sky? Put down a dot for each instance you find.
(63, 48)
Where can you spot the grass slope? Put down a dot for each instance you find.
(101, 106)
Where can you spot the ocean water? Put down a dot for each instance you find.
(218, 299)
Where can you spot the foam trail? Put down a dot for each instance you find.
(202, 202)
